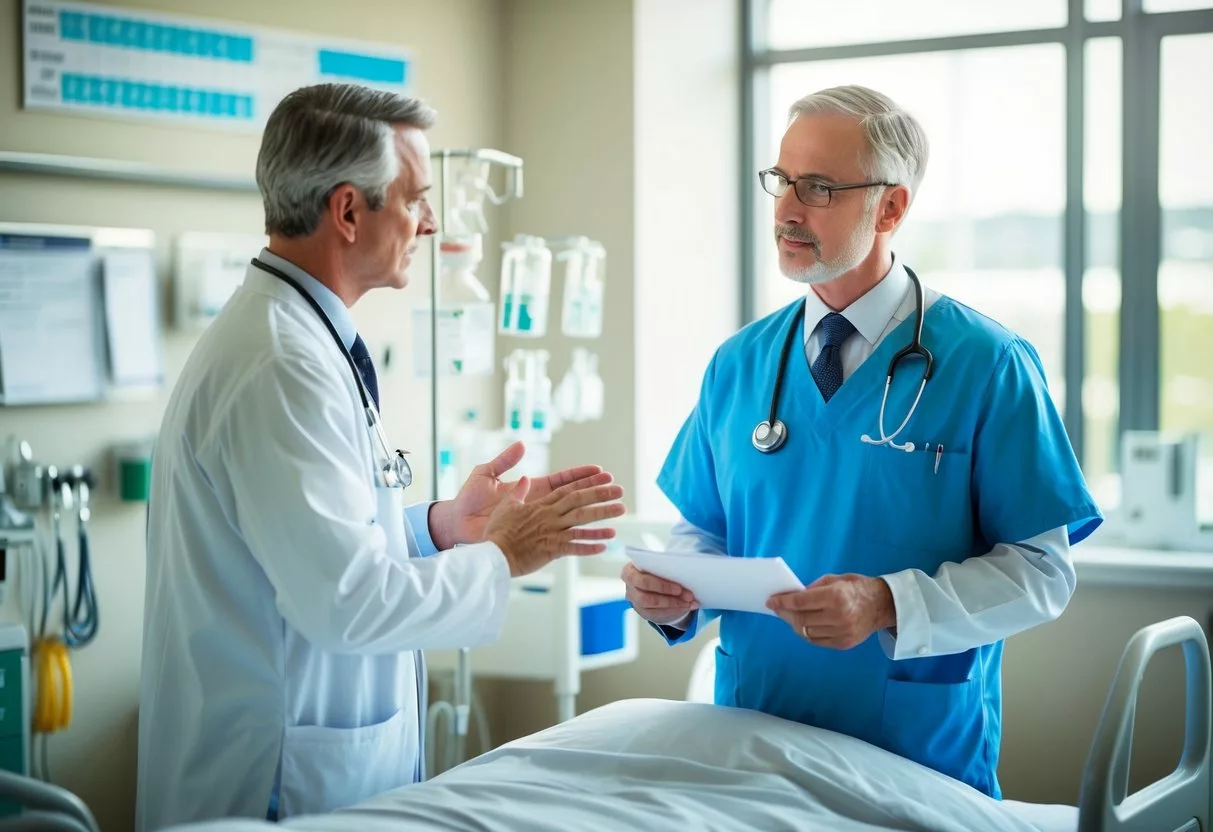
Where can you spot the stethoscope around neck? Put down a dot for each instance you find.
(771, 433)
(391, 469)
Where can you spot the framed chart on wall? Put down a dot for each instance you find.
(112, 61)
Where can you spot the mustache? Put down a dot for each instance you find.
(795, 232)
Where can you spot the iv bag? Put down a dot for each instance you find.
(464, 319)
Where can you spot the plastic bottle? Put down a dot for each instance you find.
(593, 395)
(541, 395)
(464, 319)
(448, 474)
(581, 312)
(516, 412)
(526, 278)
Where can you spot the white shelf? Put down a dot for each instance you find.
(1106, 565)
(530, 643)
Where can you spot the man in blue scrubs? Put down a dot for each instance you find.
(917, 563)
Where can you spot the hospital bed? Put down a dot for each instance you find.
(655, 765)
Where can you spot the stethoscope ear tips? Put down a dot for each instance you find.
(908, 447)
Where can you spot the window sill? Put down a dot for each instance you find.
(1104, 565)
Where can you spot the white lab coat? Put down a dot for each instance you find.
(285, 598)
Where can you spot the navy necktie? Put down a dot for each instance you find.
(827, 369)
(362, 360)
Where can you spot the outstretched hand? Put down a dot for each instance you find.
(463, 519)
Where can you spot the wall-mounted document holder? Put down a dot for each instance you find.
(207, 269)
(79, 314)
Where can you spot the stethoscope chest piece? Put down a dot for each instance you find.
(768, 436)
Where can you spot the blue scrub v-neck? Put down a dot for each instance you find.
(811, 411)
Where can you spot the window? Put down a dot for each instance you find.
(1007, 182)
(1101, 279)
(793, 24)
(1185, 276)
(1175, 5)
(1103, 10)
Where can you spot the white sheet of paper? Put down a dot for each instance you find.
(720, 582)
(51, 347)
(132, 317)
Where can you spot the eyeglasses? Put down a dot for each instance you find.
(812, 192)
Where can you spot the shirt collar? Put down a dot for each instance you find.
(332, 305)
(869, 314)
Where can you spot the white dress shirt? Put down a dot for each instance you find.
(1012, 588)
(416, 515)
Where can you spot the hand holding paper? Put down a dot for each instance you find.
(721, 582)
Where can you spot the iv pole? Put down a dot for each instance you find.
(513, 167)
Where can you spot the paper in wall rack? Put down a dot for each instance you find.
(79, 314)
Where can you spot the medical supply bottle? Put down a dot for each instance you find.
(448, 474)
(581, 311)
(526, 278)
(578, 398)
(458, 455)
(541, 394)
(593, 390)
(516, 410)
(464, 320)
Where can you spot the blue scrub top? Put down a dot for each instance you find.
(830, 504)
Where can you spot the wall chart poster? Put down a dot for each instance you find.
(107, 60)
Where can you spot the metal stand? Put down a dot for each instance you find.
(513, 166)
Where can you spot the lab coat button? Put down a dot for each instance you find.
(922, 651)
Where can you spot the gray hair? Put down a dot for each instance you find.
(323, 136)
(897, 143)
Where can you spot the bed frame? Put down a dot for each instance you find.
(1183, 800)
(47, 808)
(1180, 802)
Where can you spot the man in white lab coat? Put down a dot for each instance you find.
(289, 591)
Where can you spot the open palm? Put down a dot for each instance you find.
(484, 490)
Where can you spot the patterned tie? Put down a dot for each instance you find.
(362, 359)
(827, 369)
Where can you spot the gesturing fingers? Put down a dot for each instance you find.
(588, 495)
(571, 475)
(596, 533)
(583, 548)
(558, 494)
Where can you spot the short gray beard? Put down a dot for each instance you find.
(857, 247)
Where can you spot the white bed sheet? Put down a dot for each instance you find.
(1045, 817)
(642, 765)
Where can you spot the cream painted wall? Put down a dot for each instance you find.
(457, 50)
(568, 77)
(569, 115)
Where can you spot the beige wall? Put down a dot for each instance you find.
(457, 50)
(568, 114)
